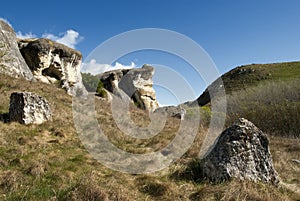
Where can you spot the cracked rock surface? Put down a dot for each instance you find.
(241, 152)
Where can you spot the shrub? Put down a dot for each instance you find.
(90, 81)
(100, 90)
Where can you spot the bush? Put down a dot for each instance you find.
(90, 81)
(100, 90)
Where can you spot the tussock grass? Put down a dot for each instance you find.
(48, 161)
(274, 107)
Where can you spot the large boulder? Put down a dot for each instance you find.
(53, 63)
(11, 61)
(136, 83)
(29, 108)
(241, 152)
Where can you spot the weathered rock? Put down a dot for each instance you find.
(242, 152)
(172, 111)
(52, 62)
(11, 61)
(136, 83)
(29, 108)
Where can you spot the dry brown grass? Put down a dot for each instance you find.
(274, 107)
(48, 161)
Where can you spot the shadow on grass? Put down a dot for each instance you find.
(4, 117)
(192, 172)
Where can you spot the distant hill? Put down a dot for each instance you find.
(266, 94)
(247, 76)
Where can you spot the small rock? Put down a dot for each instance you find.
(296, 161)
(172, 111)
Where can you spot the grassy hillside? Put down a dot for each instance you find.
(248, 76)
(48, 161)
(266, 94)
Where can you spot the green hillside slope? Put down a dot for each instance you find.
(248, 76)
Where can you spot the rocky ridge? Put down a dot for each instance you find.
(11, 61)
(136, 83)
(40, 60)
(52, 62)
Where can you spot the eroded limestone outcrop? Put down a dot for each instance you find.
(242, 152)
(11, 61)
(136, 83)
(53, 63)
(29, 108)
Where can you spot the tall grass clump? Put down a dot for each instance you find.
(274, 107)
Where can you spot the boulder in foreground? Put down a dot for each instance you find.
(241, 152)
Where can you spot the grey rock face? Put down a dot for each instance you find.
(29, 108)
(240, 152)
(11, 60)
(136, 83)
(172, 111)
(52, 62)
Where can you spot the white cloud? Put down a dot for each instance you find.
(6, 21)
(19, 34)
(95, 68)
(70, 38)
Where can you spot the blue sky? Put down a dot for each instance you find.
(233, 33)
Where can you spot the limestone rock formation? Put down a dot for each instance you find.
(242, 152)
(136, 83)
(52, 62)
(172, 111)
(11, 60)
(29, 108)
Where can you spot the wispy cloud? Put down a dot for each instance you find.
(95, 68)
(69, 38)
(19, 34)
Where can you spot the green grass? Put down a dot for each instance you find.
(244, 77)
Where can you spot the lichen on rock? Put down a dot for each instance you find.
(241, 152)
